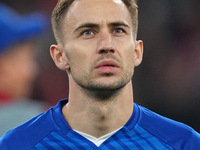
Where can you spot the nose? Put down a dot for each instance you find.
(105, 44)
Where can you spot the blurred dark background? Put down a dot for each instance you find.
(167, 81)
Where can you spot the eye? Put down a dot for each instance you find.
(118, 31)
(87, 33)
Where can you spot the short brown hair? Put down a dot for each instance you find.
(63, 6)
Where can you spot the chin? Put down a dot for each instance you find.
(112, 86)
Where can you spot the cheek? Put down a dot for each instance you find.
(78, 57)
(127, 52)
(129, 64)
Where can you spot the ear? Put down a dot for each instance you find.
(138, 53)
(59, 57)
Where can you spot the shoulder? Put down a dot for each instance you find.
(26, 135)
(176, 134)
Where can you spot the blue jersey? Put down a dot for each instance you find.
(145, 130)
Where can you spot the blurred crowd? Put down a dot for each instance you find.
(167, 81)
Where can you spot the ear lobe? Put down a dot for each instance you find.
(138, 54)
(59, 57)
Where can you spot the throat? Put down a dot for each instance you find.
(103, 95)
(98, 113)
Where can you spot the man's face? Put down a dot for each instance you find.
(99, 44)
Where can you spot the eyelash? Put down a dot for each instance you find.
(123, 31)
(88, 30)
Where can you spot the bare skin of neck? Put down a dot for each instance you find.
(98, 117)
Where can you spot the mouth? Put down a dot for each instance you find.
(107, 67)
(107, 63)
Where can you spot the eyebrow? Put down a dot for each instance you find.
(87, 25)
(93, 25)
(119, 23)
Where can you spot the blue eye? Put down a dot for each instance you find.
(118, 31)
(88, 32)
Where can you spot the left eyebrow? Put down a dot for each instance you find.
(119, 23)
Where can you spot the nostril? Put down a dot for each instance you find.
(107, 51)
(112, 51)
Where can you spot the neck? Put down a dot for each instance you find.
(98, 116)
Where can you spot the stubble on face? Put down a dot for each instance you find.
(98, 88)
(83, 73)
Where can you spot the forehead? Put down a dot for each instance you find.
(94, 11)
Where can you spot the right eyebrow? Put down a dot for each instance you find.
(86, 25)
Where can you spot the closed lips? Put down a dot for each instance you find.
(109, 63)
